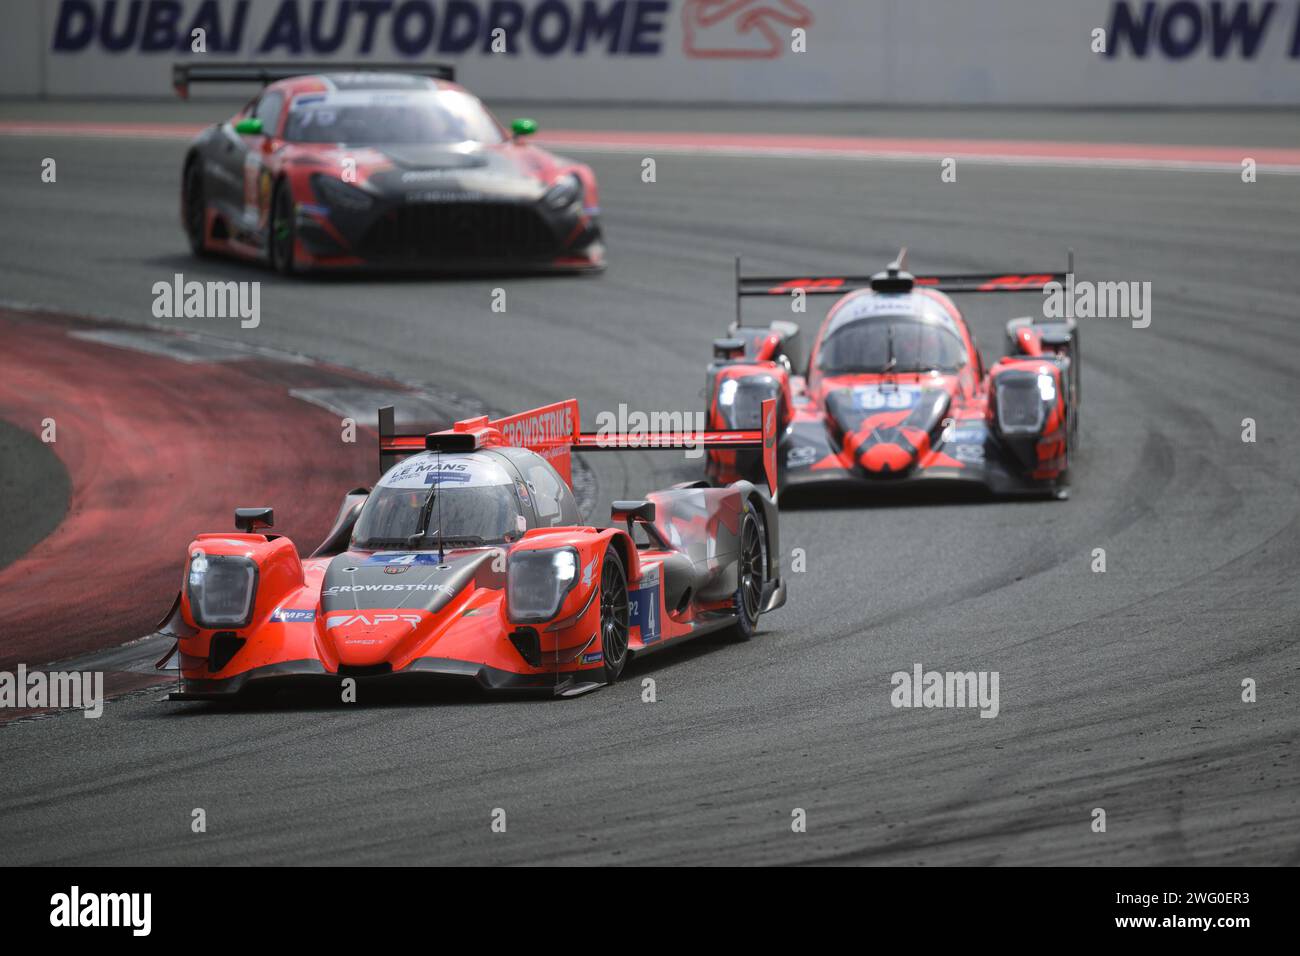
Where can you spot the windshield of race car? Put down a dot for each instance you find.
(440, 117)
(890, 343)
(462, 499)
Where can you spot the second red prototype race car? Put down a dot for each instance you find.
(895, 391)
(469, 559)
(334, 166)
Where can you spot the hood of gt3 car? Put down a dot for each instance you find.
(426, 157)
(440, 171)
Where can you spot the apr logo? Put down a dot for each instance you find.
(741, 29)
(348, 620)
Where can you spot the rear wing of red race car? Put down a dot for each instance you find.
(554, 432)
(183, 74)
(894, 279)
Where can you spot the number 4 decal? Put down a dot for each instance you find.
(642, 612)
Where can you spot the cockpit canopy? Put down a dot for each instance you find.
(488, 497)
(873, 332)
(891, 343)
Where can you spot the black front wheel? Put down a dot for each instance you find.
(614, 616)
(196, 209)
(283, 233)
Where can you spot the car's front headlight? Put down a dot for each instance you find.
(1022, 403)
(566, 191)
(740, 401)
(221, 590)
(537, 583)
(335, 192)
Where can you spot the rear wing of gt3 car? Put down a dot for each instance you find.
(183, 74)
(894, 279)
(554, 432)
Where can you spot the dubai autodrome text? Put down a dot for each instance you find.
(410, 28)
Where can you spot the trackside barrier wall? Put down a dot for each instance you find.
(991, 52)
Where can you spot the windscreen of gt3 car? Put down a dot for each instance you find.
(443, 117)
(890, 343)
(461, 502)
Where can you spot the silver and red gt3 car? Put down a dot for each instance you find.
(334, 167)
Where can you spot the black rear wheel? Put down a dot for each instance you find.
(1075, 369)
(196, 209)
(614, 616)
(283, 234)
(751, 574)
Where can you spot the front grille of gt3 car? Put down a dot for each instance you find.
(459, 231)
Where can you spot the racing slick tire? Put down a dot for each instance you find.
(615, 623)
(196, 212)
(282, 233)
(751, 574)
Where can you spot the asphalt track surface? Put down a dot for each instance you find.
(1119, 690)
(151, 445)
(34, 491)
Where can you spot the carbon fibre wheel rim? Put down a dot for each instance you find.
(751, 570)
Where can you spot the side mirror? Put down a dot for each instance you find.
(728, 349)
(632, 510)
(249, 520)
(249, 126)
(523, 127)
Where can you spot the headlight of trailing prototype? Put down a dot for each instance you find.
(335, 192)
(1022, 403)
(740, 401)
(537, 583)
(566, 191)
(221, 590)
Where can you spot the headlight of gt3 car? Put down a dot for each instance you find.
(335, 192)
(537, 583)
(566, 191)
(221, 590)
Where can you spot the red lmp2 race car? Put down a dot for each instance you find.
(895, 392)
(469, 560)
(335, 166)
